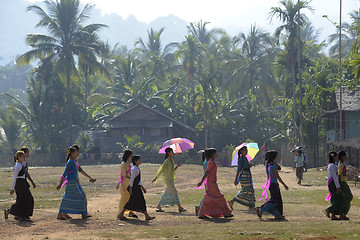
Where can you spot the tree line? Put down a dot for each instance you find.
(257, 85)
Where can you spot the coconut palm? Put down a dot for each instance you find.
(64, 41)
(290, 19)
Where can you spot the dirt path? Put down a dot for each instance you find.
(44, 224)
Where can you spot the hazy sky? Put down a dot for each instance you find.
(223, 12)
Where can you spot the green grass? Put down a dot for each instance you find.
(303, 207)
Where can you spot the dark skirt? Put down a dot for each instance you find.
(136, 201)
(337, 200)
(24, 205)
(275, 204)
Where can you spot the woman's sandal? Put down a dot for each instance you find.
(133, 215)
(344, 218)
(62, 218)
(182, 210)
(122, 218)
(258, 212)
(327, 213)
(229, 216)
(86, 216)
(231, 205)
(203, 217)
(159, 210)
(334, 218)
(150, 218)
(6, 213)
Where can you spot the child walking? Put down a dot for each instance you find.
(24, 205)
(167, 172)
(275, 204)
(246, 195)
(345, 189)
(136, 201)
(213, 203)
(74, 199)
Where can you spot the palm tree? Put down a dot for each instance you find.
(289, 16)
(201, 34)
(64, 41)
(257, 49)
(153, 55)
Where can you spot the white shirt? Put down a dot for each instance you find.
(17, 168)
(332, 172)
(135, 171)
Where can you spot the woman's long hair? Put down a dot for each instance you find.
(210, 152)
(270, 156)
(341, 154)
(167, 151)
(239, 152)
(332, 156)
(17, 155)
(70, 151)
(126, 155)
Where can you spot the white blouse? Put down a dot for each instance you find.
(135, 171)
(332, 172)
(17, 168)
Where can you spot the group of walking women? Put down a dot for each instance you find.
(340, 194)
(213, 203)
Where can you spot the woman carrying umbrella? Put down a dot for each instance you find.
(167, 172)
(246, 195)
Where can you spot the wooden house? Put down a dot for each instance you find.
(150, 125)
(350, 119)
(350, 123)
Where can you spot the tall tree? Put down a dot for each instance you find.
(289, 18)
(64, 41)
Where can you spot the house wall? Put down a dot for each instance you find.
(353, 121)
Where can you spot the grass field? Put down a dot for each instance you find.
(303, 207)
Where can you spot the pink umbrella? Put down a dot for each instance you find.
(178, 145)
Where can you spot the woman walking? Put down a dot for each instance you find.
(273, 206)
(24, 205)
(334, 195)
(213, 203)
(124, 181)
(246, 195)
(74, 199)
(167, 172)
(345, 189)
(136, 201)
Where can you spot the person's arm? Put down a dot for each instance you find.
(30, 179)
(203, 178)
(177, 165)
(277, 166)
(161, 170)
(134, 173)
(210, 165)
(333, 174)
(236, 182)
(86, 175)
(276, 172)
(17, 169)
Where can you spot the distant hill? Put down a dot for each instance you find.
(16, 23)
